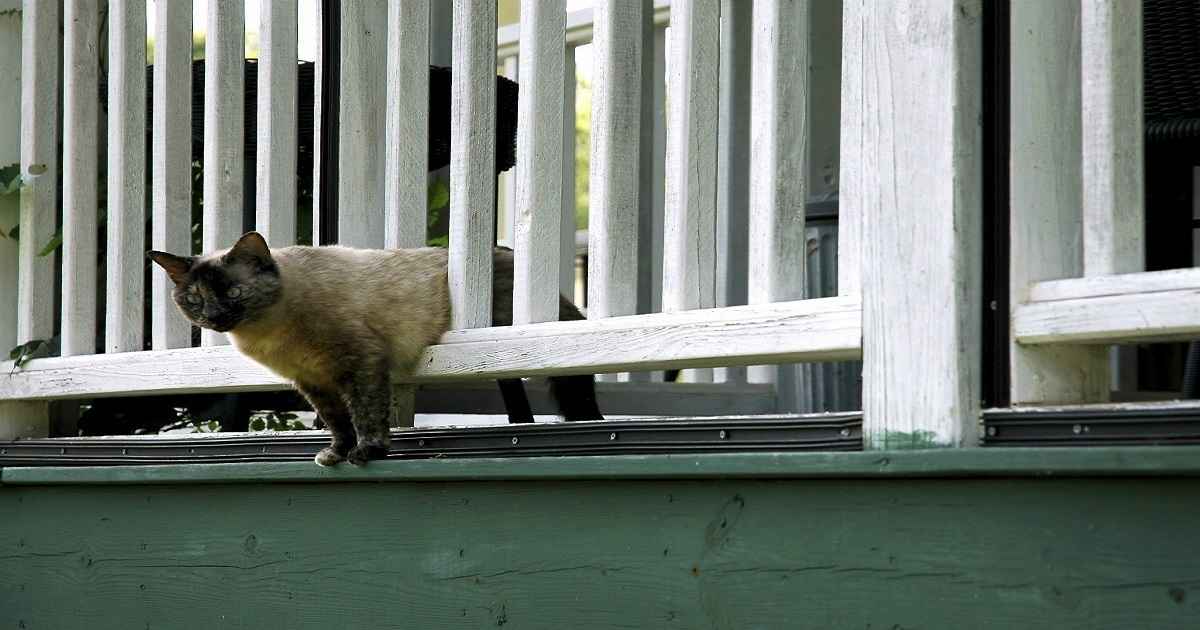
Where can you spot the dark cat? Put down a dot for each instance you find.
(337, 322)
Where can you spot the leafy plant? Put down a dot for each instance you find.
(276, 421)
(34, 349)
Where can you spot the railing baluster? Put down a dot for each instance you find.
(126, 174)
(615, 159)
(689, 278)
(733, 163)
(361, 124)
(224, 130)
(39, 169)
(566, 234)
(472, 162)
(318, 98)
(650, 173)
(277, 110)
(1113, 200)
(81, 32)
(539, 184)
(171, 224)
(1045, 195)
(407, 148)
(778, 162)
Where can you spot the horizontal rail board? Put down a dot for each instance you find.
(1111, 309)
(826, 329)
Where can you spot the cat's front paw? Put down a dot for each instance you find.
(366, 451)
(328, 456)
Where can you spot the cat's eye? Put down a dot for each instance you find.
(234, 292)
(192, 298)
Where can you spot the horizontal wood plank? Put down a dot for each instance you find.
(809, 330)
(1111, 309)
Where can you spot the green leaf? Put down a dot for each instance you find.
(54, 243)
(439, 194)
(298, 426)
(10, 178)
(28, 351)
(440, 241)
(258, 425)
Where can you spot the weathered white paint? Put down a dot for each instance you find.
(1045, 194)
(825, 329)
(275, 207)
(81, 64)
(566, 230)
(855, 153)
(171, 194)
(916, 69)
(472, 162)
(10, 153)
(778, 158)
(689, 265)
(1113, 189)
(126, 233)
(539, 183)
(1120, 284)
(615, 159)
(361, 123)
(733, 162)
(318, 73)
(36, 132)
(1111, 309)
(406, 149)
(224, 130)
(579, 27)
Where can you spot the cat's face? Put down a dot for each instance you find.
(221, 291)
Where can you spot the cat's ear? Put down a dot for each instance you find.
(175, 266)
(251, 247)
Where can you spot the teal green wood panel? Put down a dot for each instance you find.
(886, 552)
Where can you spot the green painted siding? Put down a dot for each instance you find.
(882, 552)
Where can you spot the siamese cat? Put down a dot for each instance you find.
(338, 321)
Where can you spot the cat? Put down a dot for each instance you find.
(338, 321)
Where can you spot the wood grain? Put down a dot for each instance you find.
(361, 123)
(1124, 310)
(171, 194)
(614, 177)
(275, 216)
(1111, 96)
(921, 143)
(472, 163)
(39, 169)
(778, 160)
(126, 231)
(81, 64)
(539, 182)
(224, 131)
(1046, 196)
(653, 553)
(816, 330)
(406, 149)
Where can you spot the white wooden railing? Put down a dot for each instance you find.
(910, 193)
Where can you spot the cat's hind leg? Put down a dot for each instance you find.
(575, 396)
(367, 391)
(336, 416)
(516, 403)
